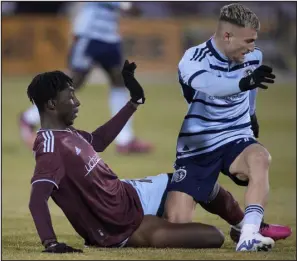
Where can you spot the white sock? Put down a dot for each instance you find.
(31, 116)
(252, 219)
(239, 225)
(117, 99)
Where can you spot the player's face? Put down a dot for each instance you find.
(67, 106)
(240, 42)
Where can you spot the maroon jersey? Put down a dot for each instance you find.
(101, 208)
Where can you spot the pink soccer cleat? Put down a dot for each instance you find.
(135, 146)
(276, 232)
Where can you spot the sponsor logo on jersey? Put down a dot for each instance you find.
(92, 163)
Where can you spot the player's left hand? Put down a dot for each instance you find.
(255, 125)
(60, 248)
(136, 91)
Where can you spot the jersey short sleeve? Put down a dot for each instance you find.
(49, 164)
(190, 68)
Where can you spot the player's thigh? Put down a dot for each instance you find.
(79, 61)
(152, 191)
(112, 63)
(109, 57)
(245, 155)
(192, 181)
(156, 232)
(179, 207)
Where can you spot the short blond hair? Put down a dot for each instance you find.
(240, 15)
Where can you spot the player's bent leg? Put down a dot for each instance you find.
(80, 61)
(223, 204)
(126, 142)
(179, 207)
(253, 162)
(157, 232)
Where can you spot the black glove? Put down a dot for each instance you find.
(59, 248)
(136, 91)
(263, 74)
(255, 125)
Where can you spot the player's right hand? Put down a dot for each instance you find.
(136, 91)
(60, 248)
(263, 74)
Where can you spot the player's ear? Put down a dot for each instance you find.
(51, 104)
(227, 37)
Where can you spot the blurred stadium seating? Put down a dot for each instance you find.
(173, 27)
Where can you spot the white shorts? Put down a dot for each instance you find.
(152, 192)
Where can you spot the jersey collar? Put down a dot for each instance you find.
(41, 130)
(214, 50)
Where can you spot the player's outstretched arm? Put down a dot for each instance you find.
(105, 134)
(198, 77)
(38, 206)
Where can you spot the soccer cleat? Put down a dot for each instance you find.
(135, 146)
(276, 232)
(27, 132)
(254, 242)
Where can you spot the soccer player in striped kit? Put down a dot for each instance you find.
(219, 79)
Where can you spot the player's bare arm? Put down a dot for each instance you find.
(40, 193)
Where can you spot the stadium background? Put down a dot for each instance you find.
(36, 37)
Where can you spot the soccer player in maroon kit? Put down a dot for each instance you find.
(103, 210)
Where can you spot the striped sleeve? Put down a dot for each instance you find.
(196, 74)
(49, 165)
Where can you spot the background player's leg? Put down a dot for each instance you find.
(118, 97)
(157, 232)
(80, 61)
(111, 62)
(79, 78)
(27, 123)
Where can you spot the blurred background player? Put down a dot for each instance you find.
(96, 42)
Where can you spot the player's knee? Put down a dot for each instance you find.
(260, 158)
(179, 207)
(215, 238)
(218, 238)
(78, 79)
(116, 78)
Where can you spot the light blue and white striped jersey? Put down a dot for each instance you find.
(99, 21)
(218, 111)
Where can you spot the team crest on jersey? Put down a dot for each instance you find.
(179, 175)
